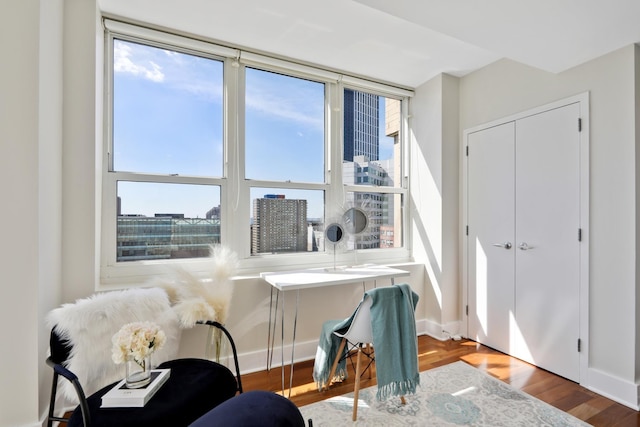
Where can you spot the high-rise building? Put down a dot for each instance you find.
(164, 236)
(362, 165)
(361, 125)
(376, 205)
(279, 225)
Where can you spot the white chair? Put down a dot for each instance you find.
(360, 333)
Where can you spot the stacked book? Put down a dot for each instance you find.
(122, 397)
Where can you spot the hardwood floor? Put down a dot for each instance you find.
(563, 394)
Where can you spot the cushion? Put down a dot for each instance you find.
(253, 408)
(194, 387)
(88, 325)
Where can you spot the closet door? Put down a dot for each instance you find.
(491, 235)
(523, 247)
(547, 212)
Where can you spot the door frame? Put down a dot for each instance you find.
(583, 101)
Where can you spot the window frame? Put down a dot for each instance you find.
(402, 189)
(234, 188)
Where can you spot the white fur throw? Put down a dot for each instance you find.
(89, 324)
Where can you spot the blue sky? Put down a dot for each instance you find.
(168, 120)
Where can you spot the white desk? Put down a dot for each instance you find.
(314, 278)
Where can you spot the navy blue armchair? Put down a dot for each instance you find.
(253, 409)
(194, 387)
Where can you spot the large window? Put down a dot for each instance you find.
(167, 111)
(206, 144)
(284, 127)
(166, 151)
(285, 143)
(372, 158)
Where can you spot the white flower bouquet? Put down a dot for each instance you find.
(137, 341)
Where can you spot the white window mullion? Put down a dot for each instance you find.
(334, 197)
(237, 226)
(108, 221)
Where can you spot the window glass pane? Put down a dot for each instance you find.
(167, 111)
(384, 225)
(284, 128)
(285, 220)
(371, 140)
(164, 221)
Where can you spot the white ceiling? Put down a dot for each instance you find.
(405, 42)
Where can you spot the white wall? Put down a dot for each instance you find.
(637, 234)
(505, 88)
(49, 180)
(434, 185)
(30, 119)
(19, 166)
(81, 186)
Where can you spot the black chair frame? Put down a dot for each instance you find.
(352, 350)
(57, 360)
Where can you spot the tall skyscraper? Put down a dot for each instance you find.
(279, 225)
(363, 165)
(361, 125)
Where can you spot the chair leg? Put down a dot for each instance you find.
(52, 401)
(369, 352)
(356, 390)
(343, 342)
(404, 402)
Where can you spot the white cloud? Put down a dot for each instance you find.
(122, 63)
(286, 109)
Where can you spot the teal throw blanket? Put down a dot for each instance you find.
(395, 342)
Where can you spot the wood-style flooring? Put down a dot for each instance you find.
(559, 392)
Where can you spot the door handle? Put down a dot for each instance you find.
(506, 245)
(524, 246)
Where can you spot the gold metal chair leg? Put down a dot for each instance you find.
(356, 390)
(404, 402)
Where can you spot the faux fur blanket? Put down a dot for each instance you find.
(88, 324)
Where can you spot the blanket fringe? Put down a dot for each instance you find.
(398, 388)
(340, 376)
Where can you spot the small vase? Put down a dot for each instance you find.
(217, 345)
(138, 373)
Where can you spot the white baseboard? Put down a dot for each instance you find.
(257, 360)
(437, 330)
(619, 390)
(306, 350)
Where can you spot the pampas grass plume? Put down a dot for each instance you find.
(196, 298)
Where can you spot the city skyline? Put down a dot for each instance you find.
(155, 121)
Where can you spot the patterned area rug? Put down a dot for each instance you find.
(452, 395)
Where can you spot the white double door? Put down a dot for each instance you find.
(523, 239)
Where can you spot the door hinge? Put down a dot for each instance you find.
(467, 151)
(467, 230)
(579, 345)
(579, 234)
(467, 310)
(579, 125)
